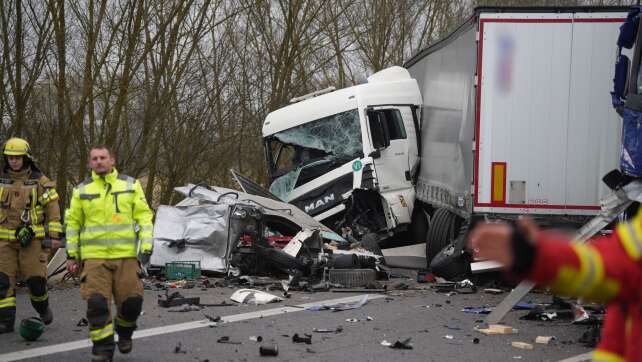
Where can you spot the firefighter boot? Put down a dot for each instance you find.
(125, 345)
(103, 350)
(40, 298)
(126, 322)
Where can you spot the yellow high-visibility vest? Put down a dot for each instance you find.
(107, 217)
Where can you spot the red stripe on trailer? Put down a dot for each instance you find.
(540, 206)
(480, 52)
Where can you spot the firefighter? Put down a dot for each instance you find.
(28, 211)
(109, 225)
(608, 270)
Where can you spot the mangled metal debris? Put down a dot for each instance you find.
(236, 233)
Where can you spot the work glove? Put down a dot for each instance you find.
(24, 235)
(144, 257)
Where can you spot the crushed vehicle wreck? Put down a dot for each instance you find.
(236, 233)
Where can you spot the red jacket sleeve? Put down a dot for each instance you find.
(599, 271)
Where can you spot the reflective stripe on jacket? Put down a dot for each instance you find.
(106, 218)
(606, 270)
(28, 195)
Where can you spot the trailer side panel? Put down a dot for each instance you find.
(546, 132)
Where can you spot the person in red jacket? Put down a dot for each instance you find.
(607, 269)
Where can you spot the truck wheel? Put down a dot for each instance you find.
(443, 230)
(370, 242)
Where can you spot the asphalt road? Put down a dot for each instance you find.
(423, 315)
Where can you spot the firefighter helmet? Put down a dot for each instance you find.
(17, 147)
(31, 328)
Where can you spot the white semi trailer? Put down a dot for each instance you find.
(510, 114)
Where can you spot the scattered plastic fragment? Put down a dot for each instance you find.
(211, 318)
(269, 350)
(497, 329)
(369, 318)
(253, 296)
(405, 344)
(493, 291)
(339, 329)
(449, 336)
(521, 345)
(580, 314)
(307, 338)
(227, 340)
(256, 338)
(352, 320)
(339, 306)
(523, 306)
(184, 308)
(544, 339)
(477, 310)
(83, 322)
(475, 340)
(179, 348)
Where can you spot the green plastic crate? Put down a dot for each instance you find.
(177, 270)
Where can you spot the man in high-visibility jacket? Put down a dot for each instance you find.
(606, 270)
(109, 225)
(28, 206)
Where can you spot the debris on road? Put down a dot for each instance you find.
(339, 329)
(185, 308)
(405, 344)
(497, 329)
(179, 348)
(83, 322)
(339, 306)
(477, 310)
(211, 318)
(307, 338)
(544, 339)
(176, 299)
(227, 340)
(493, 291)
(253, 296)
(256, 338)
(521, 345)
(269, 350)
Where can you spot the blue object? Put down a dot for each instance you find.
(523, 306)
(628, 29)
(631, 157)
(477, 310)
(619, 80)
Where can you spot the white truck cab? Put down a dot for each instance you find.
(351, 148)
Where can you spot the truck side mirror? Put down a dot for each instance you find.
(378, 129)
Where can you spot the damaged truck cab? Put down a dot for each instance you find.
(349, 157)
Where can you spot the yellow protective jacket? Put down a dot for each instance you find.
(28, 197)
(107, 218)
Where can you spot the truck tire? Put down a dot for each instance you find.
(443, 230)
(370, 242)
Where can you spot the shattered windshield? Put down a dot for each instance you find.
(300, 154)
